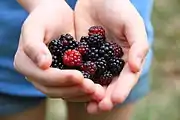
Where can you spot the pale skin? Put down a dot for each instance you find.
(51, 19)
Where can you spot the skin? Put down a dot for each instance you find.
(47, 20)
(123, 25)
(36, 33)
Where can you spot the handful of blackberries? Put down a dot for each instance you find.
(96, 58)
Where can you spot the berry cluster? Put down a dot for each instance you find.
(96, 58)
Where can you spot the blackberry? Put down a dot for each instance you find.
(118, 52)
(116, 65)
(92, 54)
(89, 67)
(106, 51)
(86, 74)
(55, 47)
(56, 62)
(95, 40)
(83, 47)
(84, 38)
(105, 79)
(68, 42)
(101, 66)
(67, 37)
(96, 30)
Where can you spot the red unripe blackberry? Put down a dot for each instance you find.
(72, 58)
(89, 67)
(96, 30)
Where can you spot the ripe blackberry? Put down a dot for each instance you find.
(101, 66)
(116, 65)
(118, 52)
(56, 62)
(96, 30)
(106, 50)
(84, 38)
(105, 79)
(86, 74)
(68, 42)
(55, 47)
(89, 67)
(83, 47)
(92, 54)
(95, 40)
(72, 58)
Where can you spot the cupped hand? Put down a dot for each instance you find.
(123, 25)
(33, 59)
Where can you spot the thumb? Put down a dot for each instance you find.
(32, 39)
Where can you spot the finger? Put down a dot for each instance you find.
(36, 32)
(82, 24)
(135, 33)
(99, 93)
(124, 85)
(62, 92)
(49, 77)
(33, 44)
(92, 108)
(88, 86)
(106, 104)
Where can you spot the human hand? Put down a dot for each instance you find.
(124, 26)
(33, 59)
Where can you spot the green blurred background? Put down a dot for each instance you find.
(163, 103)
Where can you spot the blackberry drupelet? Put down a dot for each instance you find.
(101, 66)
(118, 52)
(83, 47)
(89, 67)
(95, 40)
(55, 47)
(56, 62)
(116, 65)
(106, 51)
(92, 54)
(84, 38)
(105, 79)
(86, 74)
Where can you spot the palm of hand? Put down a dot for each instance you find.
(116, 17)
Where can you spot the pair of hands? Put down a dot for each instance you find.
(49, 19)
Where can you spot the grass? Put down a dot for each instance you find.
(163, 103)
